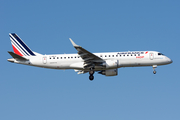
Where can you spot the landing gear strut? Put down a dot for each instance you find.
(154, 67)
(91, 72)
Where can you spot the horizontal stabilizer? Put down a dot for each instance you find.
(16, 56)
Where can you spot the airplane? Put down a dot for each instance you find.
(106, 63)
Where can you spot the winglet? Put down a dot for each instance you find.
(74, 44)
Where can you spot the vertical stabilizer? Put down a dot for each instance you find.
(19, 46)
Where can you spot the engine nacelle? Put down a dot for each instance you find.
(111, 64)
(110, 72)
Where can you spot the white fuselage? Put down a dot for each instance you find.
(74, 61)
(85, 61)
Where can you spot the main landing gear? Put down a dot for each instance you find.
(91, 72)
(154, 67)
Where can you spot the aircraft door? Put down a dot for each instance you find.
(44, 59)
(151, 56)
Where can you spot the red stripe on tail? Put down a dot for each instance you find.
(16, 51)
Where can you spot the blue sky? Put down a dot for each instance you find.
(99, 26)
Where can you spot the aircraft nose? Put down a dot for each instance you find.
(169, 60)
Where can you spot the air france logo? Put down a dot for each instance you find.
(130, 53)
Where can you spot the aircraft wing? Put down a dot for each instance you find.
(89, 58)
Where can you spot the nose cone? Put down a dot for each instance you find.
(169, 60)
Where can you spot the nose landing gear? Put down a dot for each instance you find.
(154, 67)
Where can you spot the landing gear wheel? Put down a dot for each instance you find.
(91, 77)
(154, 67)
(91, 72)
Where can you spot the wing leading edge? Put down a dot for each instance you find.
(89, 58)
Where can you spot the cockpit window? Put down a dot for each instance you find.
(160, 54)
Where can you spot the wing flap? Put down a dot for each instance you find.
(80, 71)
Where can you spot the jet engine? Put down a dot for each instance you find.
(110, 72)
(110, 64)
